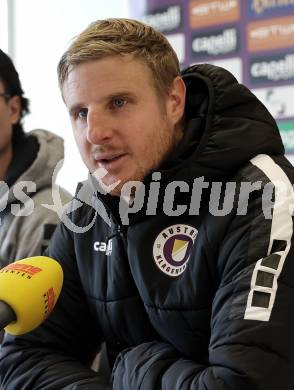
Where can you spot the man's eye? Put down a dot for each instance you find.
(118, 103)
(83, 113)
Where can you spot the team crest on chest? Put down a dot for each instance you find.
(172, 248)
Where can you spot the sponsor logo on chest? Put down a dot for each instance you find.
(100, 246)
(172, 248)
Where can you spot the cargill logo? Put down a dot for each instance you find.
(272, 68)
(264, 6)
(218, 42)
(165, 19)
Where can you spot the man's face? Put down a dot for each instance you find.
(9, 115)
(120, 123)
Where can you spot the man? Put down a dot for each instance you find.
(27, 162)
(194, 289)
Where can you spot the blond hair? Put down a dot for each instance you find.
(111, 37)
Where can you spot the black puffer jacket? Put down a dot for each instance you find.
(198, 296)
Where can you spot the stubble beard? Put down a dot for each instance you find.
(167, 142)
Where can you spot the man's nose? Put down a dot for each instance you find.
(99, 128)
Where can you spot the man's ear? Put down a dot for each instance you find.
(177, 99)
(15, 108)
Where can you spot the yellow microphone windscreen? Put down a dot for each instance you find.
(31, 288)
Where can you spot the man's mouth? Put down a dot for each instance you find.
(108, 159)
(110, 162)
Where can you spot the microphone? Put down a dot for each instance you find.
(29, 289)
